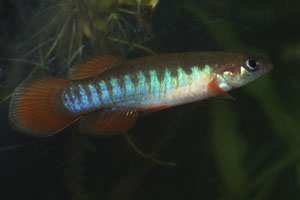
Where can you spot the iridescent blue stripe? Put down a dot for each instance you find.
(71, 102)
(155, 85)
(83, 98)
(167, 81)
(174, 82)
(105, 97)
(67, 100)
(75, 100)
(142, 88)
(95, 97)
(116, 90)
(182, 77)
(130, 89)
(196, 74)
(207, 70)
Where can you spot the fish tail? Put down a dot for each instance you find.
(34, 107)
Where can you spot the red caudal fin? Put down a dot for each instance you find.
(108, 121)
(93, 67)
(32, 107)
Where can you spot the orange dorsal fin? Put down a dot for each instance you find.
(108, 121)
(93, 67)
(214, 88)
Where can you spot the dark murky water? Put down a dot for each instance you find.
(224, 149)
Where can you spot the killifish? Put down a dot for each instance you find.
(107, 94)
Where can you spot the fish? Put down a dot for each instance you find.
(107, 94)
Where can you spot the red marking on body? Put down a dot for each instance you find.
(214, 88)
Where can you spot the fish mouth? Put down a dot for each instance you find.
(269, 67)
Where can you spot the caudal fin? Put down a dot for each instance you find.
(33, 107)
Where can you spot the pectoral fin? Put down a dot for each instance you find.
(108, 121)
(214, 88)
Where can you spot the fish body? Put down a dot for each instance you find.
(108, 93)
(143, 84)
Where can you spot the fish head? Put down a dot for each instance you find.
(240, 70)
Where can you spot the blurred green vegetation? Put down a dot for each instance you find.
(243, 149)
(230, 149)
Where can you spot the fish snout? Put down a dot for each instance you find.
(269, 67)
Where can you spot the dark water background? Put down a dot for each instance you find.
(224, 149)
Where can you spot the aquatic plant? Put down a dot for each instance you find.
(67, 27)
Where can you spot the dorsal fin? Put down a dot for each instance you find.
(92, 67)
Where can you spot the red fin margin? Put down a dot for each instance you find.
(93, 67)
(149, 111)
(32, 110)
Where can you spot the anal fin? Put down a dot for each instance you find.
(108, 121)
(149, 111)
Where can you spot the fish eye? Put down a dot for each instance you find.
(251, 64)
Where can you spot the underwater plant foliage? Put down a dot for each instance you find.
(247, 148)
